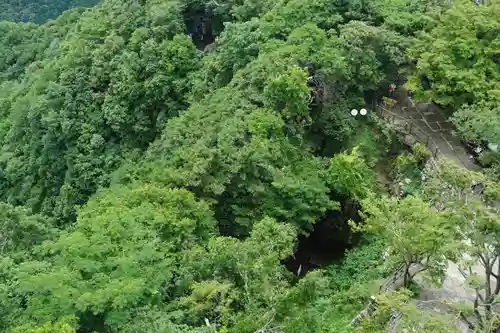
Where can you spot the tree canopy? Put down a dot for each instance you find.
(187, 166)
(457, 66)
(38, 11)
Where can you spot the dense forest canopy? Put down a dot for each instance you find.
(460, 56)
(193, 166)
(39, 11)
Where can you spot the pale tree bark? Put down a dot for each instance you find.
(486, 295)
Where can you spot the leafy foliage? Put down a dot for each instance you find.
(474, 216)
(27, 43)
(459, 58)
(66, 325)
(414, 232)
(111, 260)
(149, 186)
(20, 230)
(102, 97)
(350, 175)
(413, 318)
(38, 11)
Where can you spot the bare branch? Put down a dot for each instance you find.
(424, 268)
(476, 311)
(484, 261)
(467, 321)
(464, 274)
(489, 304)
(478, 295)
(494, 261)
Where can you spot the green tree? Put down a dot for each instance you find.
(350, 175)
(20, 231)
(236, 274)
(237, 45)
(396, 311)
(288, 94)
(479, 121)
(458, 59)
(475, 218)
(407, 17)
(101, 97)
(25, 47)
(38, 11)
(416, 234)
(65, 325)
(250, 139)
(21, 234)
(373, 54)
(157, 319)
(240, 156)
(123, 252)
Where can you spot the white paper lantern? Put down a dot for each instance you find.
(354, 112)
(363, 112)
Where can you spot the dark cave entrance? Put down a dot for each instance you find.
(203, 26)
(328, 242)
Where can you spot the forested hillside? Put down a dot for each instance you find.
(194, 166)
(39, 11)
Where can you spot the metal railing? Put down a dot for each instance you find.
(409, 127)
(405, 126)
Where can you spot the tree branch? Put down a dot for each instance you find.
(476, 311)
(489, 304)
(464, 274)
(467, 321)
(424, 268)
(494, 261)
(485, 262)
